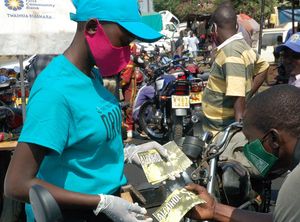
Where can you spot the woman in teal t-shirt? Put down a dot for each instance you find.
(71, 141)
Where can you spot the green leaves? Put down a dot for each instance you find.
(182, 8)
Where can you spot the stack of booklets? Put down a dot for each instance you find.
(158, 169)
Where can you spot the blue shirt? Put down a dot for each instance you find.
(80, 122)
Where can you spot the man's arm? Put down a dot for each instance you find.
(226, 213)
(239, 107)
(21, 176)
(258, 81)
(212, 210)
(260, 74)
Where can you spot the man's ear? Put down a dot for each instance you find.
(275, 140)
(91, 26)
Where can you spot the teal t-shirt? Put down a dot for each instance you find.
(80, 121)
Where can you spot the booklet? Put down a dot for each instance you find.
(158, 169)
(177, 204)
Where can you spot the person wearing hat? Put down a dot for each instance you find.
(71, 140)
(290, 55)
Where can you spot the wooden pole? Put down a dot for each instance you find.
(293, 17)
(262, 19)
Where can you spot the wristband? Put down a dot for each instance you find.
(101, 205)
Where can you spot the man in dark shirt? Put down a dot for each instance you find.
(272, 128)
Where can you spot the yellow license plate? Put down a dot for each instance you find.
(18, 101)
(180, 102)
(195, 97)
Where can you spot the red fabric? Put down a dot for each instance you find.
(129, 119)
(194, 69)
(244, 16)
(128, 71)
(129, 95)
(133, 49)
(129, 92)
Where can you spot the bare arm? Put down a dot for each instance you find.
(239, 107)
(258, 81)
(21, 175)
(220, 212)
(226, 213)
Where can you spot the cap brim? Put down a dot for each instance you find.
(279, 48)
(141, 31)
(289, 45)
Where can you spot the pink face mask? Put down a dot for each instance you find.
(109, 59)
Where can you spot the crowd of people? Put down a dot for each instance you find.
(190, 42)
(72, 145)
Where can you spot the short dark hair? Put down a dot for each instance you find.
(225, 16)
(277, 107)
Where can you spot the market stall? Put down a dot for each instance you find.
(27, 28)
(34, 27)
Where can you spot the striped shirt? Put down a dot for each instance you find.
(231, 76)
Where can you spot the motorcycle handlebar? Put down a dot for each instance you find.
(227, 132)
(172, 62)
(217, 148)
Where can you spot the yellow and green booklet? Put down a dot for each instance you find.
(177, 204)
(158, 169)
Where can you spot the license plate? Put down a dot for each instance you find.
(195, 97)
(180, 102)
(18, 101)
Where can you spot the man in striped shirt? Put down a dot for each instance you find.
(236, 73)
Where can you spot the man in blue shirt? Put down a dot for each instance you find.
(71, 141)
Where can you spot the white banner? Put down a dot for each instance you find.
(30, 27)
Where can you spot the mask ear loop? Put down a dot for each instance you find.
(215, 27)
(237, 26)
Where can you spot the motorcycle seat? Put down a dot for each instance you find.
(4, 85)
(204, 76)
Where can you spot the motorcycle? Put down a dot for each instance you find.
(175, 109)
(164, 116)
(11, 122)
(196, 92)
(11, 119)
(228, 181)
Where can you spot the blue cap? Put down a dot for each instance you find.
(292, 43)
(123, 12)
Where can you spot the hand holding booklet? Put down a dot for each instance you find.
(177, 204)
(158, 169)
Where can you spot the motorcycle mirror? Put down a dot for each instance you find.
(44, 206)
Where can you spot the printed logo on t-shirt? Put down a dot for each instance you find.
(111, 120)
